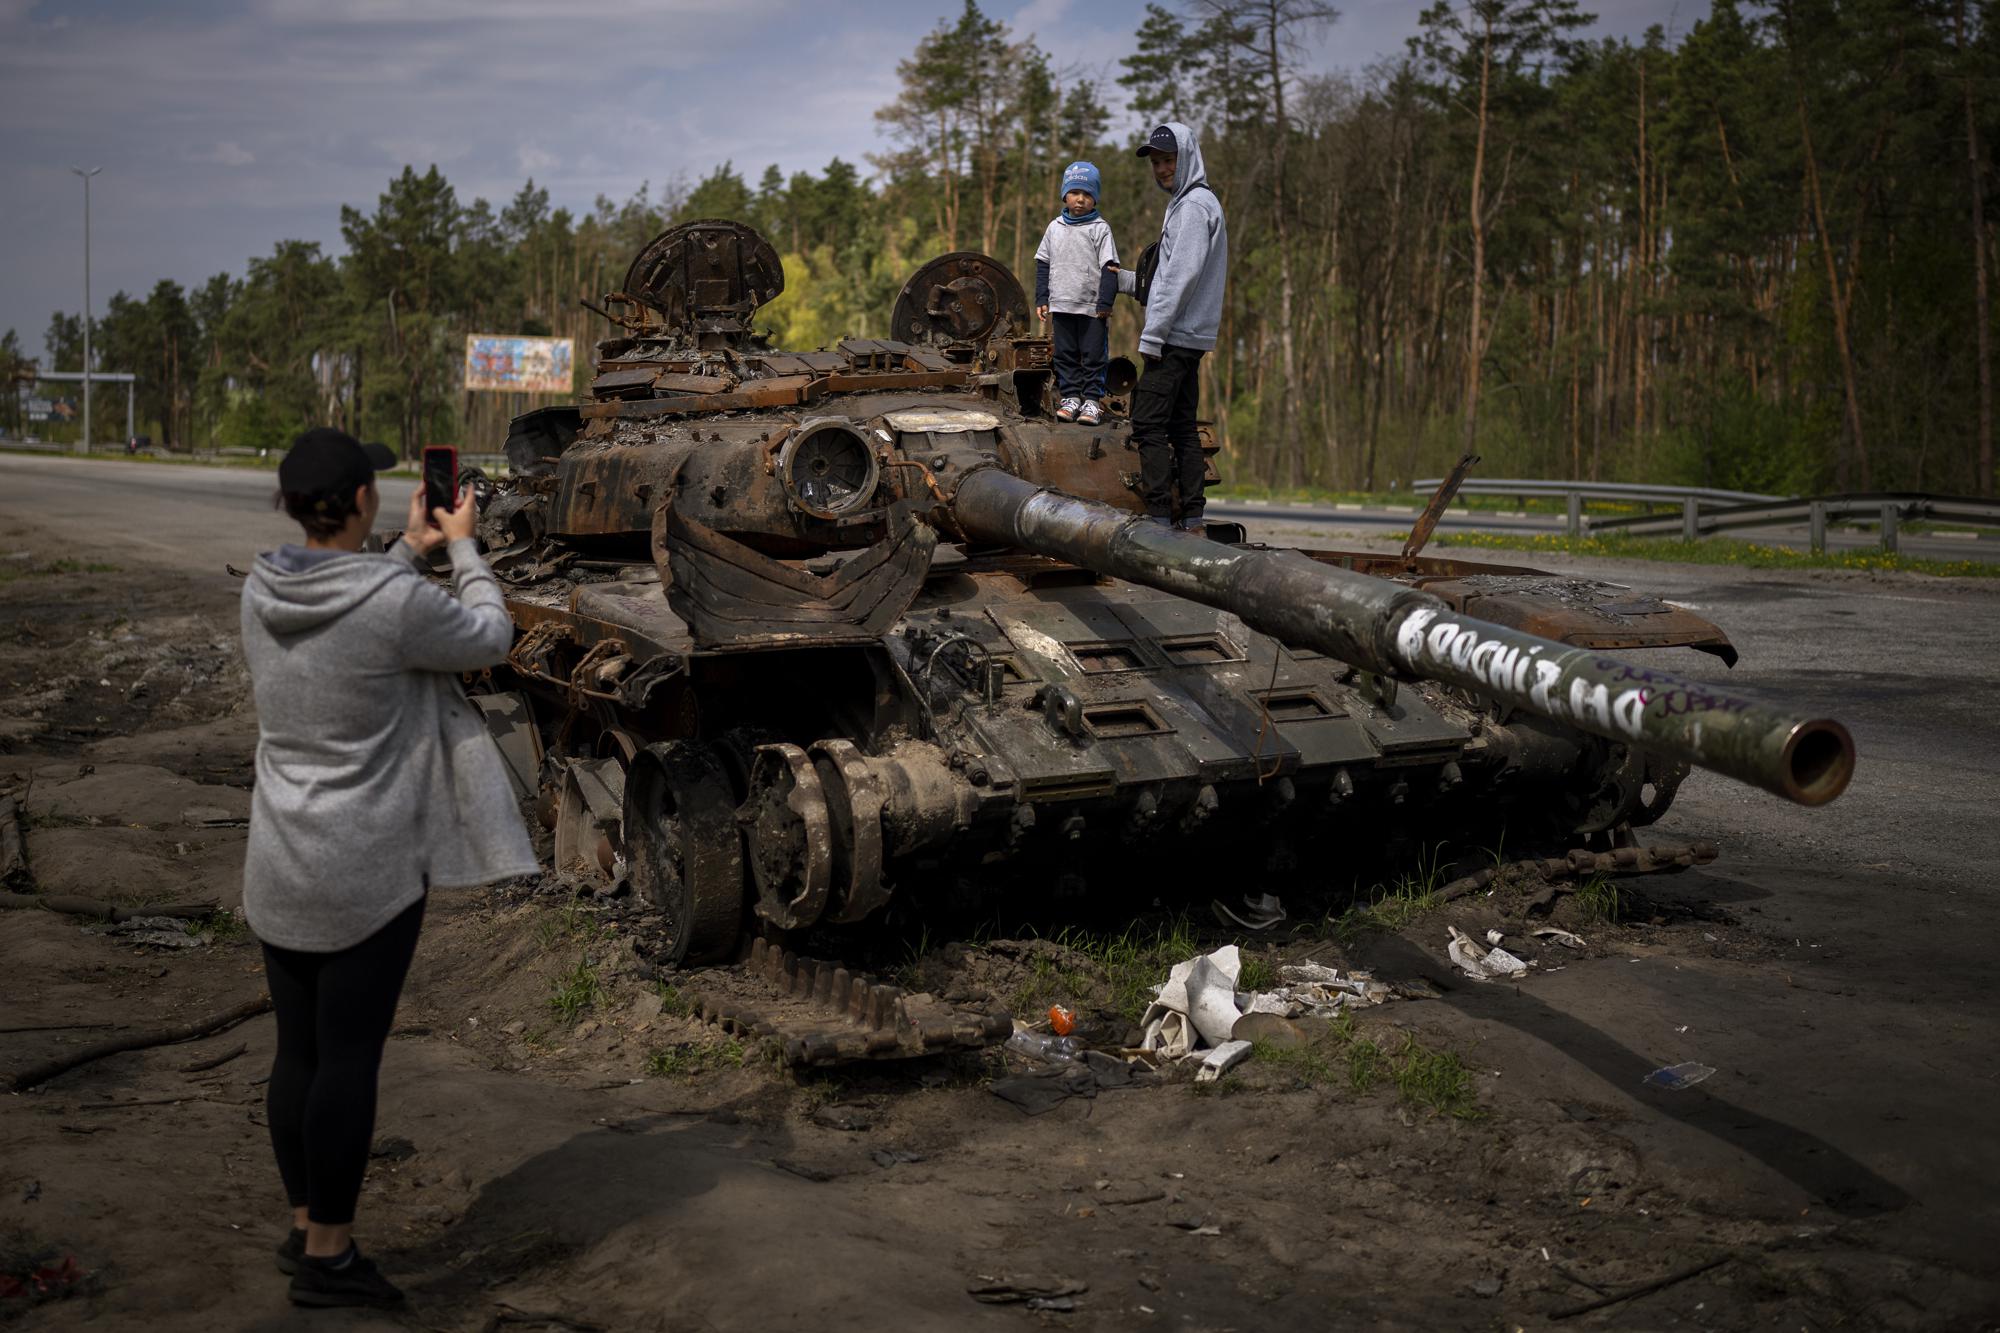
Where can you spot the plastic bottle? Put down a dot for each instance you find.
(1043, 1045)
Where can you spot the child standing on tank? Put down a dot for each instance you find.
(1074, 288)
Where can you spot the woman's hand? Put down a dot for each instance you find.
(457, 522)
(425, 534)
(418, 534)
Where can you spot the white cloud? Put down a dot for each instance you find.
(228, 153)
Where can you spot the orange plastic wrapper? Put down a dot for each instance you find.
(1061, 1020)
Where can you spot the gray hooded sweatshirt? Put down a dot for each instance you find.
(1184, 308)
(375, 777)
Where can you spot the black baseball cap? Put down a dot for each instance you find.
(1161, 140)
(325, 461)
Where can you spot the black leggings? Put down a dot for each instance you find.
(334, 1012)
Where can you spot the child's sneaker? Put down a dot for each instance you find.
(1067, 409)
(1091, 414)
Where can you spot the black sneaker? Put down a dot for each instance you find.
(359, 1282)
(292, 1251)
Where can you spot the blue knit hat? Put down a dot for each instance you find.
(1082, 176)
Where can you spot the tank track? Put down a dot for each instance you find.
(820, 1013)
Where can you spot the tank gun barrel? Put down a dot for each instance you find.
(1397, 631)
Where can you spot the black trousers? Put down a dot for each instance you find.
(334, 1012)
(1163, 429)
(1082, 350)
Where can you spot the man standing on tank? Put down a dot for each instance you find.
(1183, 312)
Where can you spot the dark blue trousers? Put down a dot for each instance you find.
(1082, 347)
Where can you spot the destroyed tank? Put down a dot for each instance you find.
(804, 632)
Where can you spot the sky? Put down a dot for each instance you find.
(224, 126)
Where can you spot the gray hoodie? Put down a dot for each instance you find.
(375, 777)
(1184, 308)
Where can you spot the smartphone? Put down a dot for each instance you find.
(440, 479)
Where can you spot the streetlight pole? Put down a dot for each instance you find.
(84, 447)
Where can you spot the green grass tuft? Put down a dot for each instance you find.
(690, 1058)
(1395, 906)
(1601, 900)
(1258, 975)
(672, 1003)
(576, 991)
(1425, 1078)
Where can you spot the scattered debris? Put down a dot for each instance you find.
(138, 1041)
(70, 905)
(1480, 963)
(1645, 1289)
(1010, 1291)
(1675, 1077)
(215, 1061)
(393, 1148)
(842, 1118)
(888, 1157)
(163, 932)
(1261, 911)
(13, 852)
(1557, 935)
(1271, 1029)
(1043, 1045)
(1221, 1060)
(1087, 1075)
(819, 1013)
(1062, 1021)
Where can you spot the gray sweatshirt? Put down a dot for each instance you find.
(1184, 308)
(1069, 267)
(375, 777)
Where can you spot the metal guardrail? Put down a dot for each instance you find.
(1577, 493)
(1705, 509)
(1889, 509)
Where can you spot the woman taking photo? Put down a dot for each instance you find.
(376, 782)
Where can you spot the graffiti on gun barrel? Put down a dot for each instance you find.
(512, 364)
(1430, 645)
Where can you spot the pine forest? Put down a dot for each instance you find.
(1755, 252)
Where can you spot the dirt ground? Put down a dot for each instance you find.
(562, 1146)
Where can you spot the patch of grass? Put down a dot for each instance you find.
(1425, 1078)
(1309, 1065)
(1123, 967)
(1433, 1079)
(222, 927)
(576, 991)
(690, 1058)
(1258, 975)
(566, 923)
(1601, 900)
(11, 571)
(1392, 907)
(909, 974)
(672, 1003)
(1135, 961)
(1717, 551)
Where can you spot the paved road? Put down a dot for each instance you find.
(1317, 519)
(186, 517)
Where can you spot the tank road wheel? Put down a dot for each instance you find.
(685, 848)
(791, 842)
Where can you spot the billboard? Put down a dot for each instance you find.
(510, 364)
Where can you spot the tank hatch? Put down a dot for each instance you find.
(704, 280)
